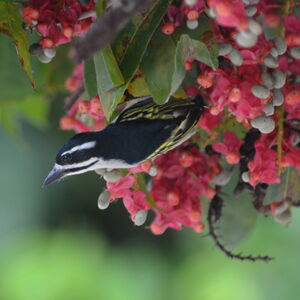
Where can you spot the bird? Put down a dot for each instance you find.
(142, 131)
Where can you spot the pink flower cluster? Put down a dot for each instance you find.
(255, 86)
(58, 21)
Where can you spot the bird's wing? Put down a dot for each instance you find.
(183, 116)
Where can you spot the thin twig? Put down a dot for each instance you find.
(215, 237)
(70, 100)
(106, 28)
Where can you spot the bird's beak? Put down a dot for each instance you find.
(54, 176)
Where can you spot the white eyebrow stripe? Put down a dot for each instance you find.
(77, 165)
(84, 146)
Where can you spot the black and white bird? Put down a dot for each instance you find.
(142, 131)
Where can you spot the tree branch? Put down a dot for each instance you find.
(106, 28)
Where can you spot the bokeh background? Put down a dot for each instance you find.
(56, 245)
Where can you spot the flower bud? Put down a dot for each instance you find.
(190, 2)
(153, 171)
(246, 39)
(235, 57)
(224, 49)
(212, 12)
(103, 200)
(192, 24)
(267, 80)
(168, 28)
(112, 176)
(43, 58)
(222, 178)
(251, 10)
(279, 79)
(140, 217)
(271, 62)
(277, 97)
(263, 124)
(269, 109)
(296, 139)
(260, 91)
(245, 176)
(280, 45)
(50, 52)
(274, 52)
(295, 52)
(255, 27)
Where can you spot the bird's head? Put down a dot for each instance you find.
(77, 156)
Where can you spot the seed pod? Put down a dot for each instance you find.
(260, 91)
(295, 52)
(280, 45)
(284, 218)
(271, 62)
(251, 10)
(223, 178)
(35, 49)
(263, 124)
(269, 109)
(192, 24)
(296, 139)
(140, 217)
(43, 58)
(245, 176)
(212, 12)
(100, 171)
(50, 52)
(246, 39)
(153, 171)
(190, 2)
(112, 176)
(267, 80)
(274, 52)
(235, 57)
(255, 27)
(277, 97)
(279, 79)
(103, 200)
(224, 49)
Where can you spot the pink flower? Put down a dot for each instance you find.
(230, 148)
(263, 168)
(121, 188)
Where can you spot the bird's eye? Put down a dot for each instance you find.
(66, 158)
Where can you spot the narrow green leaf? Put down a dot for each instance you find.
(108, 73)
(11, 25)
(90, 79)
(133, 54)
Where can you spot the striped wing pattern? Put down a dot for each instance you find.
(187, 114)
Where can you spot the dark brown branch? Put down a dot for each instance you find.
(211, 218)
(70, 100)
(105, 29)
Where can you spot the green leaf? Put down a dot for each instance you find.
(138, 88)
(89, 77)
(131, 55)
(163, 64)
(287, 189)
(11, 25)
(34, 109)
(238, 215)
(108, 74)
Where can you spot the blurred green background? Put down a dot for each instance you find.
(56, 245)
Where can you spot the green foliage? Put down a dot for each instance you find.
(11, 25)
(288, 189)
